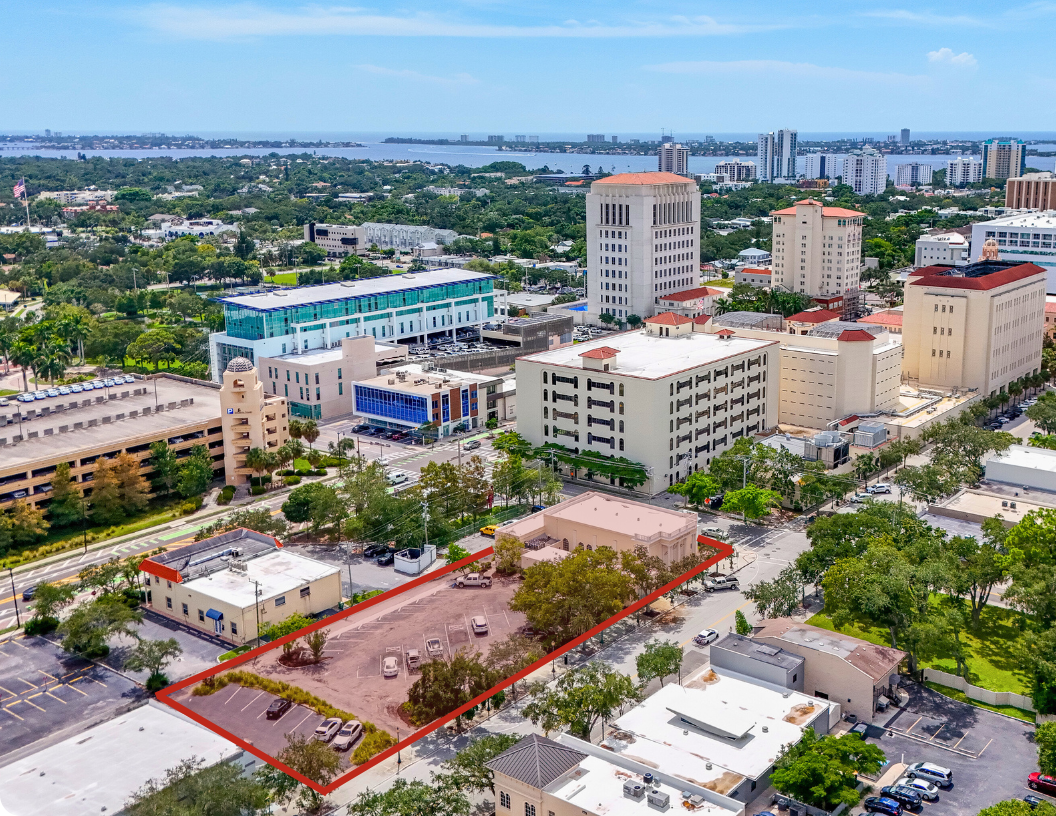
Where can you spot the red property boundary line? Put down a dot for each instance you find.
(165, 696)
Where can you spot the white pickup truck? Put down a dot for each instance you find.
(472, 580)
(721, 582)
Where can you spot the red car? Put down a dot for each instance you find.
(1043, 783)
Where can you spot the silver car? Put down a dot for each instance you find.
(347, 736)
(479, 625)
(925, 789)
(936, 774)
(327, 729)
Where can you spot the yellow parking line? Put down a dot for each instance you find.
(47, 675)
(72, 688)
(27, 702)
(26, 682)
(984, 748)
(92, 680)
(52, 696)
(69, 673)
(8, 691)
(12, 713)
(16, 642)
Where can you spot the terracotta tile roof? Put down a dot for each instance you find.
(886, 318)
(827, 212)
(668, 319)
(849, 420)
(600, 353)
(645, 178)
(700, 320)
(724, 333)
(982, 283)
(856, 335)
(815, 316)
(1050, 308)
(693, 294)
(751, 270)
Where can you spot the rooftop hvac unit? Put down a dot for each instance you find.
(633, 789)
(659, 799)
(696, 800)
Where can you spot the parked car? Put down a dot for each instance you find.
(52, 392)
(4, 402)
(129, 378)
(360, 428)
(927, 791)
(109, 382)
(64, 391)
(77, 388)
(347, 736)
(434, 647)
(936, 774)
(1033, 800)
(713, 532)
(374, 550)
(414, 659)
(472, 444)
(474, 579)
(880, 487)
(327, 729)
(721, 582)
(278, 708)
(907, 797)
(398, 437)
(390, 667)
(706, 637)
(397, 478)
(1043, 783)
(489, 530)
(479, 625)
(882, 804)
(386, 559)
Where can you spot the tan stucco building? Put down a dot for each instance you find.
(840, 668)
(210, 585)
(817, 250)
(250, 418)
(977, 326)
(595, 520)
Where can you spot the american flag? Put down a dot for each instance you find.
(20, 188)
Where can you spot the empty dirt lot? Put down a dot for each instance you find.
(350, 676)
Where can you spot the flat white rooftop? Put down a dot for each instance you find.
(97, 770)
(327, 292)
(1026, 457)
(736, 726)
(636, 519)
(1043, 218)
(333, 355)
(596, 787)
(276, 573)
(651, 357)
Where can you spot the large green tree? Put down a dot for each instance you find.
(193, 788)
(580, 699)
(822, 771)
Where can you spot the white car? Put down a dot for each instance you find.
(3, 402)
(706, 637)
(325, 731)
(129, 378)
(76, 389)
(348, 735)
(879, 488)
(925, 789)
(390, 667)
(64, 391)
(479, 624)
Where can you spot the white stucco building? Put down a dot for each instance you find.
(777, 155)
(669, 396)
(821, 166)
(913, 174)
(942, 248)
(865, 171)
(967, 170)
(642, 242)
(405, 236)
(817, 250)
(1023, 237)
(338, 240)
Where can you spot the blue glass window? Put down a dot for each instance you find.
(391, 405)
(465, 403)
(445, 405)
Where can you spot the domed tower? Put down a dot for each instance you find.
(990, 251)
(250, 419)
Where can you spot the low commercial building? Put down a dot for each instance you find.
(91, 427)
(613, 395)
(339, 240)
(595, 520)
(1024, 466)
(844, 669)
(754, 256)
(404, 236)
(234, 584)
(950, 248)
(78, 196)
(77, 775)
(722, 732)
(889, 319)
(1021, 237)
(831, 448)
(572, 778)
(197, 227)
(692, 302)
(1050, 315)
(753, 276)
(829, 368)
(413, 395)
(1031, 191)
(977, 326)
(748, 658)
(250, 418)
(317, 384)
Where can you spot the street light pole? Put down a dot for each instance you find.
(14, 596)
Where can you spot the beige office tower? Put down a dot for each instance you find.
(977, 326)
(250, 419)
(817, 250)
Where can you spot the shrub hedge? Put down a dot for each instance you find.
(256, 490)
(289, 481)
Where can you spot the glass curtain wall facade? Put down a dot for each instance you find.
(407, 408)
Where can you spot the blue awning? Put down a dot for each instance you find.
(212, 613)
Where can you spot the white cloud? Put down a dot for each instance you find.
(946, 56)
(804, 70)
(247, 20)
(927, 18)
(403, 73)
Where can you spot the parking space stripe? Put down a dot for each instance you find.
(232, 697)
(26, 682)
(73, 688)
(12, 713)
(247, 705)
(47, 675)
(27, 702)
(8, 691)
(52, 696)
(306, 716)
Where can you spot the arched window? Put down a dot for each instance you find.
(546, 395)
(621, 444)
(621, 389)
(671, 410)
(621, 404)
(621, 426)
(546, 430)
(546, 412)
(544, 378)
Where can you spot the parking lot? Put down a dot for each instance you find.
(351, 676)
(990, 754)
(44, 691)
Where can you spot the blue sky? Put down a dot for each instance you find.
(488, 66)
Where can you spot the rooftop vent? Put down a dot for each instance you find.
(659, 799)
(633, 789)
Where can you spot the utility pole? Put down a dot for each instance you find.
(14, 596)
(348, 561)
(256, 603)
(425, 521)
(458, 442)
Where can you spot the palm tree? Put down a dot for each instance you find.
(23, 353)
(1015, 388)
(295, 428)
(74, 328)
(310, 431)
(9, 327)
(256, 460)
(284, 456)
(51, 359)
(296, 448)
(271, 461)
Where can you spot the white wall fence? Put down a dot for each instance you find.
(1009, 698)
